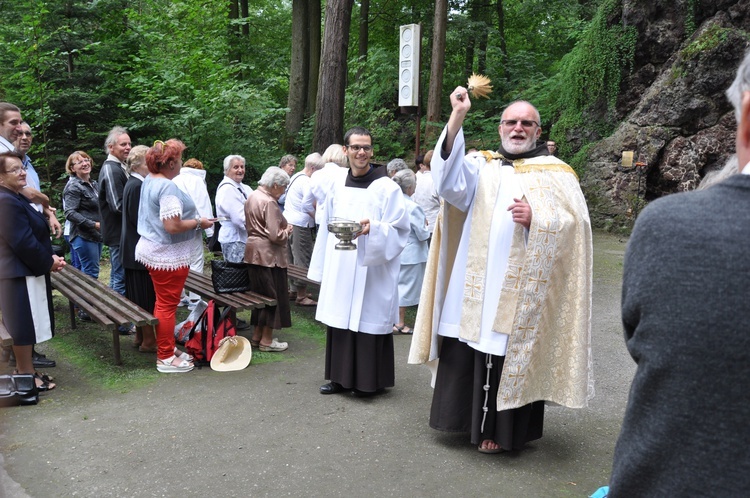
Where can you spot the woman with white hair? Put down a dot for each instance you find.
(396, 165)
(231, 195)
(268, 257)
(414, 256)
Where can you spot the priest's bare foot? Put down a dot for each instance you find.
(489, 446)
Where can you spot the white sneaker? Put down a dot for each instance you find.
(192, 304)
(184, 302)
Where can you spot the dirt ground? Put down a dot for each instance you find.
(266, 431)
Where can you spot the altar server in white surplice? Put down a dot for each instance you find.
(358, 298)
(506, 300)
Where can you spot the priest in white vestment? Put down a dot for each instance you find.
(505, 308)
(358, 298)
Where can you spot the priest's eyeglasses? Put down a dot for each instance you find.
(357, 148)
(511, 123)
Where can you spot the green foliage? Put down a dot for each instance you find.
(714, 36)
(590, 76)
(690, 25)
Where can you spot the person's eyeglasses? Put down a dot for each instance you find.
(357, 148)
(511, 123)
(16, 171)
(81, 161)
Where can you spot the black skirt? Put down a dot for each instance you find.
(140, 289)
(359, 361)
(459, 399)
(271, 282)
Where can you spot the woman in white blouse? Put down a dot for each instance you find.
(168, 224)
(231, 195)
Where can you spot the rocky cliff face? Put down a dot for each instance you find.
(672, 109)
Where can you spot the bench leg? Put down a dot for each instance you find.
(116, 344)
(72, 308)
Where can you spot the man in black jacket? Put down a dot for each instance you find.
(112, 179)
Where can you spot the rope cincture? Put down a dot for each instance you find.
(486, 388)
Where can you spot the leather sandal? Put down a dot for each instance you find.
(44, 385)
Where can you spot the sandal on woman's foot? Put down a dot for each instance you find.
(484, 447)
(398, 329)
(183, 355)
(173, 364)
(42, 384)
(255, 344)
(45, 377)
(274, 347)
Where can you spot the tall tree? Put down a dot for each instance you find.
(298, 73)
(501, 34)
(329, 118)
(364, 33)
(435, 95)
(314, 32)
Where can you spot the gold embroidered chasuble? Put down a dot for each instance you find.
(545, 302)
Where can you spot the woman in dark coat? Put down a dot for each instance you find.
(26, 260)
(138, 285)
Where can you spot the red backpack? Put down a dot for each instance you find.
(212, 326)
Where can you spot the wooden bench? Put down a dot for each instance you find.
(300, 273)
(201, 284)
(105, 306)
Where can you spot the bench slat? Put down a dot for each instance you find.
(102, 304)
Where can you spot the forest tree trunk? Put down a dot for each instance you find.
(364, 33)
(313, 32)
(298, 74)
(329, 118)
(501, 33)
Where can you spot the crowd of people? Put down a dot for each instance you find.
(494, 247)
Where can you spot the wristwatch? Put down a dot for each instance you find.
(197, 223)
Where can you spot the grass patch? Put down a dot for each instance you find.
(89, 349)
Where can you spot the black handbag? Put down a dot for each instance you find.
(229, 277)
(18, 389)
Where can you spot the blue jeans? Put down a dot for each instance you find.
(117, 276)
(89, 254)
(73, 254)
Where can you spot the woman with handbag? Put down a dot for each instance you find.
(170, 229)
(26, 260)
(268, 257)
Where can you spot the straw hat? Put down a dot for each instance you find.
(234, 353)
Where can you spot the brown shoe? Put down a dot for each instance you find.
(306, 301)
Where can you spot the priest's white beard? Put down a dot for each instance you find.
(515, 148)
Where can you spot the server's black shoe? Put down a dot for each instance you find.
(332, 388)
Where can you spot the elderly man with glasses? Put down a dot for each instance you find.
(506, 301)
